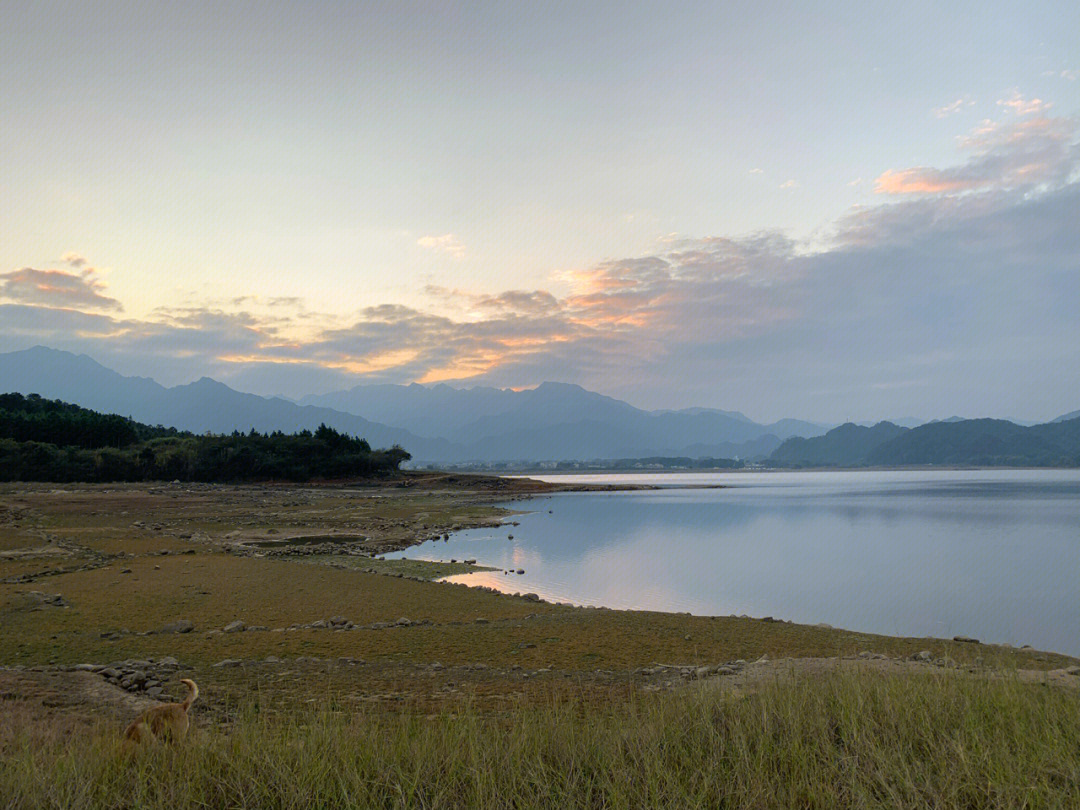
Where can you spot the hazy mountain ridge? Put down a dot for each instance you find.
(437, 424)
(555, 421)
(964, 442)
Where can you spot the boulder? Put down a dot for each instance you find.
(228, 662)
(179, 626)
(233, 627)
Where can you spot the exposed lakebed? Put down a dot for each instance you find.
(993, 554)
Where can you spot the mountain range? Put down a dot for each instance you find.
(437, 424)
(966, 442)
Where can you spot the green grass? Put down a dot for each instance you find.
(836, 741)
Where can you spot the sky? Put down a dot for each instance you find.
(828, 211)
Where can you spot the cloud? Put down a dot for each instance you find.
(56, 288)
(789, 184)
(962, 285)
(1019, 105)
(74, 259)
(1016, 154)
(757, 171)
(954, 107)
(447, 243)
(919, 180)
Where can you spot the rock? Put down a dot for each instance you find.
(471, 561)
(702, 672)
(155, 692)
(85, 668)
(480, 620)
(403, 622)
(725, 670)
(233, 627)
(125, 570)
(179, 626)
(965, 639)
(531, 597)
(272, 659)
(520, 571)
(437, 666)
(228, 662)
(318, 625)
(338, 621)
(1072, 671)
(924, 655)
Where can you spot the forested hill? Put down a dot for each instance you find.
(844, 446)
(968, 442)
(50, 440)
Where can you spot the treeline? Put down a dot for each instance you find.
(48, 440)
(969, 442)
(35, 419)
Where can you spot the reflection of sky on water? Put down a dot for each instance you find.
(992, 554)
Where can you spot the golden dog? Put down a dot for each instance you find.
(165, 723)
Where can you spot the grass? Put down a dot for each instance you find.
(843, 740)
(423, 569)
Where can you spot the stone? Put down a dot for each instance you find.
(725, 670)
(155, 692)
(318, 625)
(965, 639)
(228, 662)
(403, 622)
(233, 627)
(531, 597)
(336, 621)
(1072, 671)
(86, 668)
(179, 626)
(702, 672)
(520, 571)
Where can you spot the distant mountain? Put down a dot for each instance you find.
(844, 446)
(968, 442)
(1068, 416)
(984, 442)
(200, 406)
(559, 421)
(552, 422)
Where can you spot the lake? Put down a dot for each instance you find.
(993, 554)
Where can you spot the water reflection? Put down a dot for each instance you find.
(991, 554)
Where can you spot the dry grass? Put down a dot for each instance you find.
(839, 741)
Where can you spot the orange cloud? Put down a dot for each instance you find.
(918, 180)
(1024, 106)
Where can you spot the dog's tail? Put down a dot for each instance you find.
(193, 692)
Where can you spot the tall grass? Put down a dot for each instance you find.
(840, 740)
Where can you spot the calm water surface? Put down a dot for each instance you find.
(989, 554)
